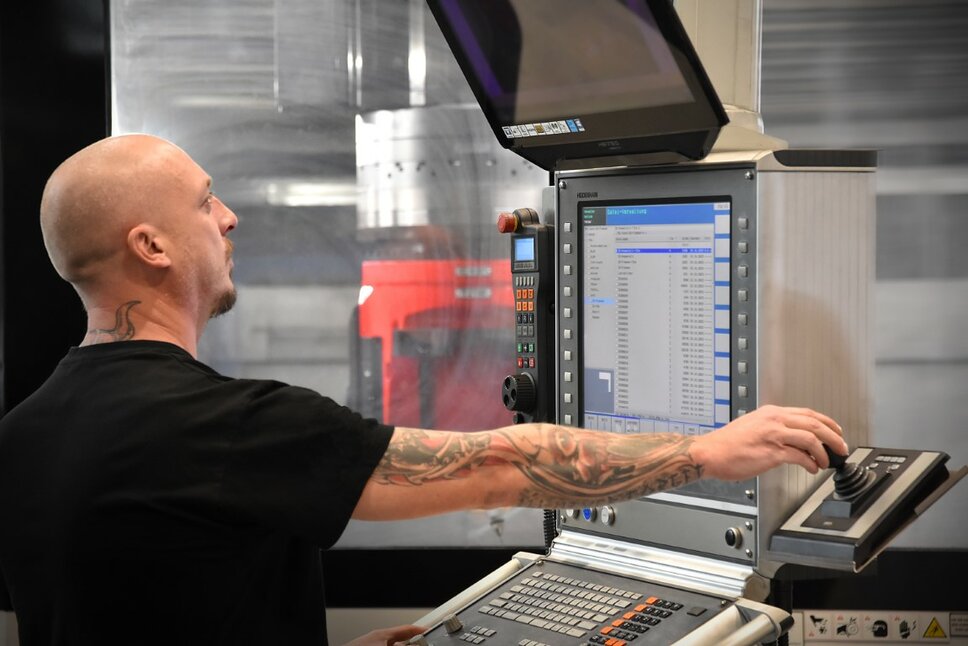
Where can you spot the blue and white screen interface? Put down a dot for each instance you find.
(655, 315)
(523, 249)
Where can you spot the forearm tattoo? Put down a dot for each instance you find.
(123, 327)
(564, 466)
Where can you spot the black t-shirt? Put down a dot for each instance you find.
(147, 499)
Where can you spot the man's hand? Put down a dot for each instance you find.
(387, 636)
(765, 438)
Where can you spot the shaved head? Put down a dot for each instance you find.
(93, 199)
(132, 218)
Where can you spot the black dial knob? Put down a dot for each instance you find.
(734, 537)
(519, 392)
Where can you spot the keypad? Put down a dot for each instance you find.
(581, 609)
(524, 311)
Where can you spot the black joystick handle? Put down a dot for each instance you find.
(850, 480)
(519, 393)
(837, 461)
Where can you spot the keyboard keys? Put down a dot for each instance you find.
(575, 608)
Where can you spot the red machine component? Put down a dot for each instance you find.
(511, 222)
(434, 335)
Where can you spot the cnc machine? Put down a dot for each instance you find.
(687, 269)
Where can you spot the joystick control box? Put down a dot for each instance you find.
(861, 506)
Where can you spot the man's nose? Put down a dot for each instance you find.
(228, 219)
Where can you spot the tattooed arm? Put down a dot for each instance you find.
(427, 472)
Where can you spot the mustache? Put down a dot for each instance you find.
(229, 247)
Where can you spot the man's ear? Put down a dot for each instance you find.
(149, 246)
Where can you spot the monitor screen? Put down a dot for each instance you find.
(655, 314)
(573, 79)
(612, 50)
(523, 249)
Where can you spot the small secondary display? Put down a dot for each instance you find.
(523, 249)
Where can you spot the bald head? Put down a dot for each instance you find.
(133, 220)
(94, 198)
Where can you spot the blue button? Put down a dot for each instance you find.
(587, 513)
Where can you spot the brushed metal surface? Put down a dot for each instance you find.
(815, 312)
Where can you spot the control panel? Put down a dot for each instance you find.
(529, 393)
(555, 603)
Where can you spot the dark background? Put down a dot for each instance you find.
(52, 84)
(53, 87)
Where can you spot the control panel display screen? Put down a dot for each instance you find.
(655, 312)
(523, 249)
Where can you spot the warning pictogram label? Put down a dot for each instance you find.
(934, 630)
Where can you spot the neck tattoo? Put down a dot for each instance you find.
(123, 327)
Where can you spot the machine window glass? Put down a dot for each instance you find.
(368, 263)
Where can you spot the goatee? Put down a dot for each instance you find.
(225, 303)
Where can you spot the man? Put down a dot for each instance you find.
(146, 498)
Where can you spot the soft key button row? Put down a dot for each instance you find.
(896, 459)
(893, 462)
(531, 642)
(524, 281)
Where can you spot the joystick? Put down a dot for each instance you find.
(850, 480)
(855, 512)
(852, 483)
(836, 460)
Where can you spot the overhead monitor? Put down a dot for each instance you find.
(567, 80)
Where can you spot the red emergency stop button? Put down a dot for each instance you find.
(507, 223)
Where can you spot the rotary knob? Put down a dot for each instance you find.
(519, 392)
(452, 624)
